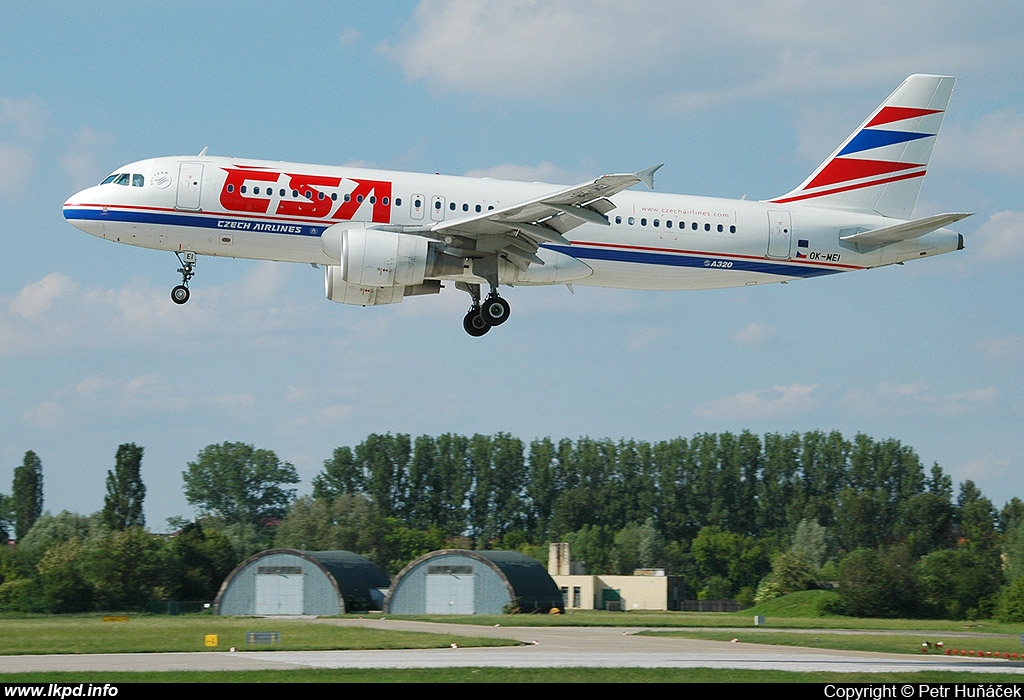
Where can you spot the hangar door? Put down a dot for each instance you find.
(279, 590)
(451, 590)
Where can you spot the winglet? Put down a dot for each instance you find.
(647, 176)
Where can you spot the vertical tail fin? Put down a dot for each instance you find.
(880, 167)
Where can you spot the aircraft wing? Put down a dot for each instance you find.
(904, 231)
(516, 231)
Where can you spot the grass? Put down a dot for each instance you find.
(888, 643)
(791, 621)
(510, 675)
(89, 634)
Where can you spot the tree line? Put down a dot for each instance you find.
(735, 515)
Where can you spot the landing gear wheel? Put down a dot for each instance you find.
(475, 324)
(187, 258)
(180, 294)
(495, 310)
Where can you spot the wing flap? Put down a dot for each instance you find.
(513, 229)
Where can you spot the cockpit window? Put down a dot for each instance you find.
(126, 179)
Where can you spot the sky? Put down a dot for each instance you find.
(737, 99)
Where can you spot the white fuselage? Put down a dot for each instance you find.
(280, 211)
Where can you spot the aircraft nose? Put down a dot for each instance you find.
(76, 208)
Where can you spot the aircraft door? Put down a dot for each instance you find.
(417, 204)
(437, 208)
(780, 234)
(190, 184)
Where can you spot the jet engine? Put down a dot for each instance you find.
(383, 267)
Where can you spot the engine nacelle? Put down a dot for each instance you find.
(374, 258)
(339, 290)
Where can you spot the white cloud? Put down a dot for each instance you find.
(25, 117)
(995, 144)
(962, 402)
(754, 334)
(81, 157)
(37, 298)
(349, 37)
(1009, 347)
(659, 50)
(544, 172)
(644, 338)
(16, 167)
(1001, 238)
(779, 401)
(22, 127)
(890, 399)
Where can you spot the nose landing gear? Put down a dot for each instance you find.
(180, 294)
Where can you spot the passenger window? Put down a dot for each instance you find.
(732, 229)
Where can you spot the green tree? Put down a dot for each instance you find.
(49, 530)
(1010, 607)
(6, 519)
(61, 583)
(122, 506)
(341, 475)
(239, 484)
(351, 522)
(792, 571)
(27, 493)
(739, 560)
(126, 568)
(812, 541)
(877, 583)
(202, 557)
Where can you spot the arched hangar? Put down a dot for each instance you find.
(467, 582)
(294, 582)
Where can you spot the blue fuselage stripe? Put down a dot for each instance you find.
(300, 228)
(710, 262)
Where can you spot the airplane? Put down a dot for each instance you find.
(383, 235)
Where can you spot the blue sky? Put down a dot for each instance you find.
(735, 98)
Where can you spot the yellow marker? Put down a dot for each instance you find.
(211, 640)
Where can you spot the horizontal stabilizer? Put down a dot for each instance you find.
(904, 231)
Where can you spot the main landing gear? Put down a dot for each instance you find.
(180, 294)
(481, 318)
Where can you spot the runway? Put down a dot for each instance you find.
(543, 647)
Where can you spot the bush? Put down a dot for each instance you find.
(1010, 605)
